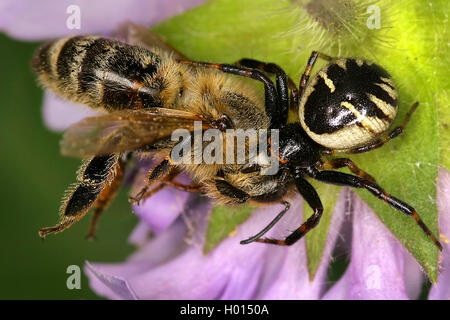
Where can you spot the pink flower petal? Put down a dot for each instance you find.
(160, 210)
(376, 269)
(139, 236)
(59, 114)
(441, 290)
(167, 246)
(413, 275)
(119, 288)
(230, 271)
(292, 279)
(44, 19)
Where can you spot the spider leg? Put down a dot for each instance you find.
(307, 73)
(312, 198)
(257, 236)
(382, 140)
(271, 97)
(283, 83)
(343, 179)
(344, 162)
(228, 190)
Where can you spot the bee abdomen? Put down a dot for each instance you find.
(100, 72)
(58, 62)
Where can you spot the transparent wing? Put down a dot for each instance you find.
(142, 36)
(125, 130)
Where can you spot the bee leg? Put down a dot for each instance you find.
(93, 177)
(312, 198)
(343, 179)
(282, 81)
(228, 190)
(381, 141)
(195, 188)
(145, 193)
(159, 172)
(344, 162)
(271, 97)
(165, 173)
(307, 73)
(105, 198)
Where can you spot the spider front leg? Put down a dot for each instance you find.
(308, 69)
(283, 82)
(272, 104)
(312, 198)
(344, 162)
(343, 179)
(238, 196)
(257, 236)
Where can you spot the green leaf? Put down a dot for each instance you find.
(407, 167)
(443, 107)
(317, 238)
(223, 223)
(412, 45)
(434, 37)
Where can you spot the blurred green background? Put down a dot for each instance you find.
(34, 176)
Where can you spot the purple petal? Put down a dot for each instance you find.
(291, 281)
(139, 236)
(414, 276)
(167, 277)
(230, 271)
(441, 290)
(119, 287)
(341, 289)
(155, 252)
(39, 20)
(376, 269)
(59, 114)
(160, 210)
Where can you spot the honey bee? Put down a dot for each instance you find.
(147, 89)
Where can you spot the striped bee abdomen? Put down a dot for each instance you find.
(348, 103)
(106, 73)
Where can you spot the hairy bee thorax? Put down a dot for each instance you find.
(226, 101)
(348, 103)
(105, 73)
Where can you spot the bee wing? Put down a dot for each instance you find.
(125, 131)
(138, 35)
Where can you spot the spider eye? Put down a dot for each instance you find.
(348, 103)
